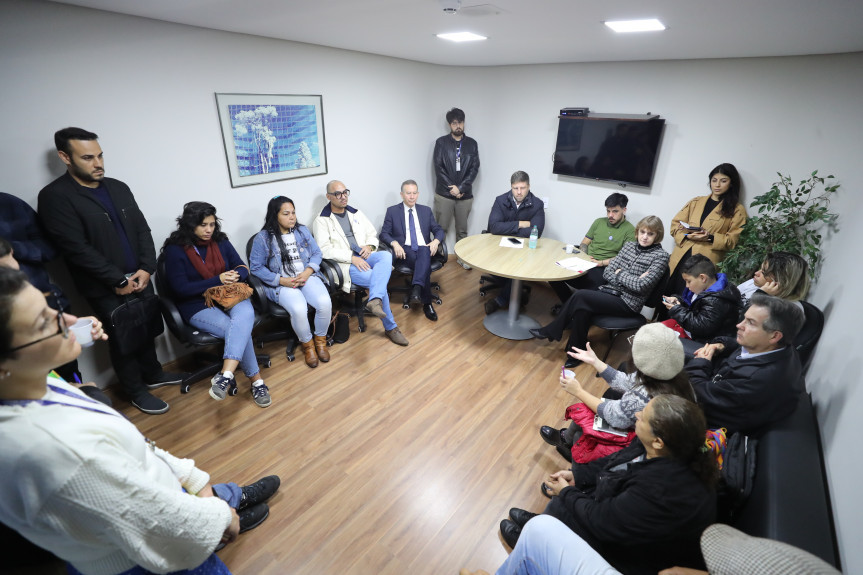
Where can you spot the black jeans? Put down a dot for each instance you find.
(578, 311)
(133, 370)
(591, 280)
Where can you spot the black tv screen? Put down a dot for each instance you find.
(613, 149)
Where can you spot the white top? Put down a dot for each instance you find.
(420, 240)
(294, 260)
(88, 487)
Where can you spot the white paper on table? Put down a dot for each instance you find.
(505, 243)
(576, 264)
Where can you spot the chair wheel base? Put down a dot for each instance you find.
(233, 390)
(185, 388)
(438, 301)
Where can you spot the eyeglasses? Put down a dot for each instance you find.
(339, 195)
(62, 328)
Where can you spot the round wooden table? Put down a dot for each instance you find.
(484, 252)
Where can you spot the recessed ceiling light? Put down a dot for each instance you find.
(650, 25)
(461, 37)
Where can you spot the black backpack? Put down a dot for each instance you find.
(737, 475)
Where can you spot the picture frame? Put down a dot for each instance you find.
(271, 137)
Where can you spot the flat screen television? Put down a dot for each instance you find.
(608, 147)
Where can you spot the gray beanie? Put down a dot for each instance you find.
(657, 351)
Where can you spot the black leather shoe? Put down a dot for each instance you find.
(416, 294)
(571, 363)
(520, 516)
(510, 532)
(428, 309)
(555, 309)
(537, 333)
(551, 435)
(545, 490)
(565, 452)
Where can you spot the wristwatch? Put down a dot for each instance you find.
(122, 283)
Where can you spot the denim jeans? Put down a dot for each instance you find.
(231, 493)
(376, 280)
(296, 300)
(235, 327)
(548, 547)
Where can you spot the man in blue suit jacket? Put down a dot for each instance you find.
(415, 236)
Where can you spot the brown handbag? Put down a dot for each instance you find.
(227, 296)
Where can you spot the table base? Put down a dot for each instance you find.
(500, 324)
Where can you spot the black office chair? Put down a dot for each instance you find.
(437, 262)
(333, 273)
(616, 325)
(191, 336)
(809, 334)
(274, 310)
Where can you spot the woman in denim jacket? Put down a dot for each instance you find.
(286, 258)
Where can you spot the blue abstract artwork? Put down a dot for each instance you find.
(274, 138)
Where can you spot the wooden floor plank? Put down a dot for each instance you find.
(392, 459)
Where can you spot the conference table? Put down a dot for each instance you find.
(485, 252)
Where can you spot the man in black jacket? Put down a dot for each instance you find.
(759, 381)
(106, 242)
(456, 164)
(514, 213)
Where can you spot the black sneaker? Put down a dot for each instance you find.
(149, 403)
(167, 378)
(259, 491)
(253, 516)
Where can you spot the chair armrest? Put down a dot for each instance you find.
(259, 294)
(332, 275)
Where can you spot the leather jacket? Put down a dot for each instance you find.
(443, 158)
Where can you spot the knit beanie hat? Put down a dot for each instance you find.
(657, 351)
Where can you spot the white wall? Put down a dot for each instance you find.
(147, 87)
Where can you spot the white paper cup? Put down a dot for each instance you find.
(83, 330)
(569, 248)
(568, 374)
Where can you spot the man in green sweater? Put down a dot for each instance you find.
(601, 242)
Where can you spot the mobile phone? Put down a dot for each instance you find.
(514, 241)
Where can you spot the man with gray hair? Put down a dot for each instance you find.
(414, 235)
(759, 380)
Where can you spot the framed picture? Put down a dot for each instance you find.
(271, 137)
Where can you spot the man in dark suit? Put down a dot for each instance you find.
(415, 236)
(105, 240)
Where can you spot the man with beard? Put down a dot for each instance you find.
(106, 242)
(456, 163)
(601, 242)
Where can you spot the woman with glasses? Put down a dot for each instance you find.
(83, 482)
(286, 258)
(198, 256)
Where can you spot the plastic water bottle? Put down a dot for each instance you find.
(534, 235)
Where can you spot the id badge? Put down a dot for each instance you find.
(458, 164)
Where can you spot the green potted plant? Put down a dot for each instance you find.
(788, 219)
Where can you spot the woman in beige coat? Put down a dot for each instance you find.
(708, 225)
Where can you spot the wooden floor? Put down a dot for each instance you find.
(393, 460)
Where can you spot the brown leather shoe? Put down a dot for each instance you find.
(321, 348)
(309, 351)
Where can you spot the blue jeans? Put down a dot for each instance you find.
(296, 300)
(548, 547)
(235, 327)
(376, 280)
